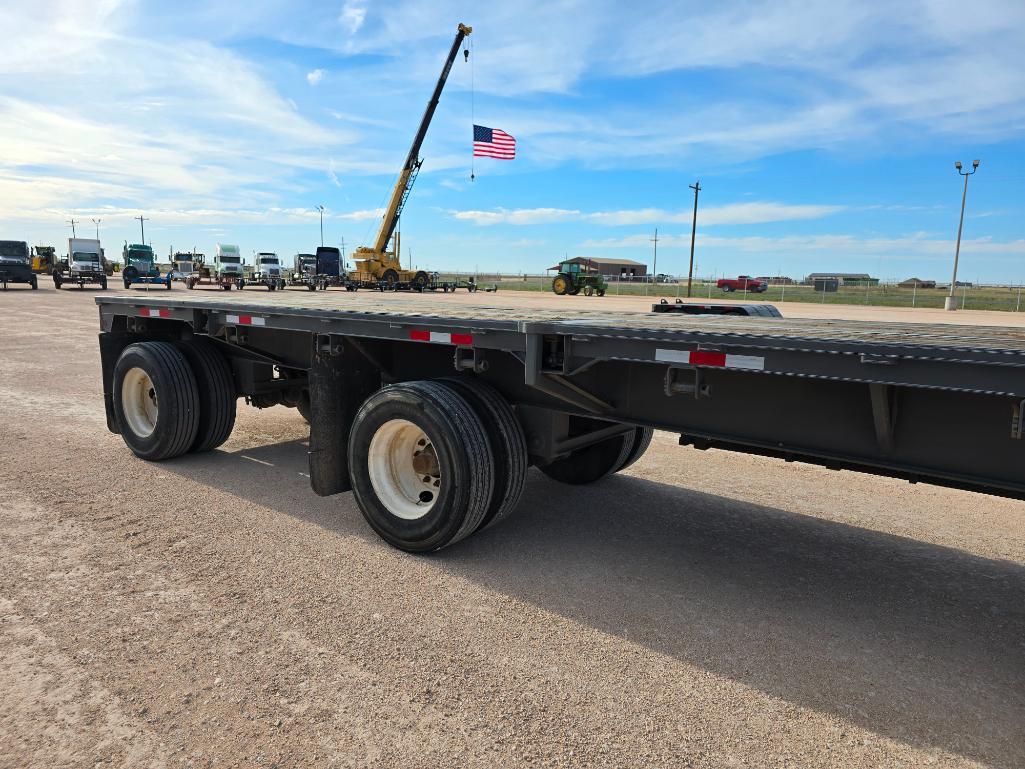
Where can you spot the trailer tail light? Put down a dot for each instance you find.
(153, 312)
(439, 337)
(245, 320)
(709, 358)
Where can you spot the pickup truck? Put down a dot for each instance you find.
(742, 283)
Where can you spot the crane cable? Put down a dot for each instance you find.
(473, 119)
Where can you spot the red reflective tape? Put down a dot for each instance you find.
(245, 320)
(151, 312)
(465, 339)
(420, 336)
(704, 358)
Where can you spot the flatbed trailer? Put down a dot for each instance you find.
(430, 413)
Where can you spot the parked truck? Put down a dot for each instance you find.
(742, 283)
(304, 271)
(228, 266)
(140, 267)
(267, 271)
(430, 414)
(84, 264)
(15, 264)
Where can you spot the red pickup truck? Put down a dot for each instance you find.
(742, 283)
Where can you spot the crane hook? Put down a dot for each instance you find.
(466, 54)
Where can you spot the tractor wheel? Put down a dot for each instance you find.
(421, 280)
(591, 463)
(588, 290)
(34, 282)
(156, 400)
(103, 283)
(216, 388)
(57, 282)
(421, 465)
(575, 290)
(600, 292)
(560, 285)
(128, 284)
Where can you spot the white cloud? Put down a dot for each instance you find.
(353, 14)
(736, 213)
(314, 77)
(519, 216)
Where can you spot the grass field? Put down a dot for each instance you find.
(1004, 298)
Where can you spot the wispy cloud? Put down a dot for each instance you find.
(737, 213)
(313, 77)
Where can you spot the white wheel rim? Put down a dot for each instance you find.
(139, 402)
(404, 469)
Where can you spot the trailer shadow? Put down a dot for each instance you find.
(920, 643)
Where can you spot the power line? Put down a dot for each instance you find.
(73, 222)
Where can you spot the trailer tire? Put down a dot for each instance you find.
(508, 444)
(392, 429)
(34, 283)
(57, 281)
(390, 277)
(156, 401)
(128, 284)
(216, 388)
(641, 441)
(103, 283)
(591, 463)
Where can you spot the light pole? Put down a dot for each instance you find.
(321, 209)
(73, 222)
(97, 223)
(950, 303)
(142, 227)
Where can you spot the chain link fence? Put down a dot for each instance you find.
(1007, 298)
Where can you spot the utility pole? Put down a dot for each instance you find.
(321, 209)
(693, 232)
(97, 223)
(142, 227)
(73, 222)
(654, 265)
(950, 303)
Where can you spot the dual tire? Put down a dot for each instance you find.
(600, 460)
(173, 398)
(431, 462)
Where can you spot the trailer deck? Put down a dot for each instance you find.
(930, 402)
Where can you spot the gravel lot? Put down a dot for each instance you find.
(700, 610)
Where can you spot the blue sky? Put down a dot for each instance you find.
(824, 133)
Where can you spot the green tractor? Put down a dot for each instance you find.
(574, 278)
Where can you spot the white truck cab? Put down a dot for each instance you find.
(85, 257)
(227, 261)
(268, 266)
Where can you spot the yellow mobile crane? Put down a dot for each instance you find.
(376, 263)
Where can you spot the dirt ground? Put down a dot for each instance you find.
(702, 609)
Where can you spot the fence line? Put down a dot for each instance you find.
(1006, 297)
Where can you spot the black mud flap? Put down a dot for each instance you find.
(340, 379)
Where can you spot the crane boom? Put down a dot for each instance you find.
(412, 164)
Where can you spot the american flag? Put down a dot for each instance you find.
(493, 143)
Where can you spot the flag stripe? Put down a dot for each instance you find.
(493, 143)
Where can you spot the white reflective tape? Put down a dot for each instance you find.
(441, 337)
(673, 356)
(745, 361)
